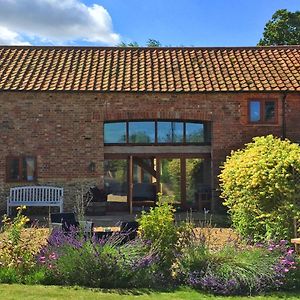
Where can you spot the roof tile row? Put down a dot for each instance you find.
(150, 69)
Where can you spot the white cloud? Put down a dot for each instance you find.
(8, 37)
(57, 21)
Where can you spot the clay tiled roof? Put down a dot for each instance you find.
(149, 69)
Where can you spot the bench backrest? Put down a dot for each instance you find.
(36, 194)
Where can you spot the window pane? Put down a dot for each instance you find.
(169, 132)
(269, 111)
(170, 178)
(254, 111)
(28, 168)
(141, 132)
(115, 179)
(194, 133)
(13, 169)
(115, 132)
(194, 178)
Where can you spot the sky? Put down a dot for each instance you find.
(205, 23)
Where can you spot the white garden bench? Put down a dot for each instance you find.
(35, 196)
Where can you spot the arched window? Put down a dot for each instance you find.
(155, 132)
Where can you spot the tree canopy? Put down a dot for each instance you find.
(282, 29)
(149, 43)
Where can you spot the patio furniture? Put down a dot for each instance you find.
(129, 230)
(65, 222)
(296, 242)
(144, 194)
(101, 232)
(97, 204)
(35, 196)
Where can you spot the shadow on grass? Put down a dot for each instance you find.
(128, 291)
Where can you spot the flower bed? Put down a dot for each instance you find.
(163, 255)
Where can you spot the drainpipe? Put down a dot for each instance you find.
(283, 126)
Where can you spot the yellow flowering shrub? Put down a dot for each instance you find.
(158, 227)
(15, 252)
(260, 186)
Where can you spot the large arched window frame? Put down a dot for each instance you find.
(157, 132)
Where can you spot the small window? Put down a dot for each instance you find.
(269, 111)
(255, 111)
(21, 169)
(262, 111)
(115, 133)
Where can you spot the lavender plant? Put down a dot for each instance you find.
(107, 263)
(233, 270)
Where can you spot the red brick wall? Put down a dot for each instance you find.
(65, 130)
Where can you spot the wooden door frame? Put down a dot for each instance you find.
(158, 157)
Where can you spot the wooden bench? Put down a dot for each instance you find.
(35, 196)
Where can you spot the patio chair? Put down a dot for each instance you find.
(65, 222)
(129, 230)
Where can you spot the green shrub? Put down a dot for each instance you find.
(236, 270)
(106, 263)
(260, 185)
(158, 227)
(9, 275)
(90, 265)
(15, 252)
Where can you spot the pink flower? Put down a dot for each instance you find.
(42, 259)
(52, 256)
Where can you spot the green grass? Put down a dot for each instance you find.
(39, 292)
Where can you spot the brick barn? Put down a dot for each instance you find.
(135, 121)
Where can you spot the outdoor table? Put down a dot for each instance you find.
(105, 232)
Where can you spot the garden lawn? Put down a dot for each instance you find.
(39, 292)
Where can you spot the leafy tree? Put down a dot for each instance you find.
(261, 185)
(153, 43)
(132, 44)
(282, 29)
(150, 43)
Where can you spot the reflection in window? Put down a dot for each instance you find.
(115, 179)
(28, 168)
(169, 132)
(157, 132)
(194, 133)
(21, 169)
(254, 111)
(115, 132)
(269, 111)
(141, 132)
(170, 178)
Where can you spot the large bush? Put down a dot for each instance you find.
(260, 185)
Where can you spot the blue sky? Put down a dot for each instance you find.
(194, 22)
(107, 22)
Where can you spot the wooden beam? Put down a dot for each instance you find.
(158, 175)
(159, 150)
(183, 181)
(145, 166)
(130, 183)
